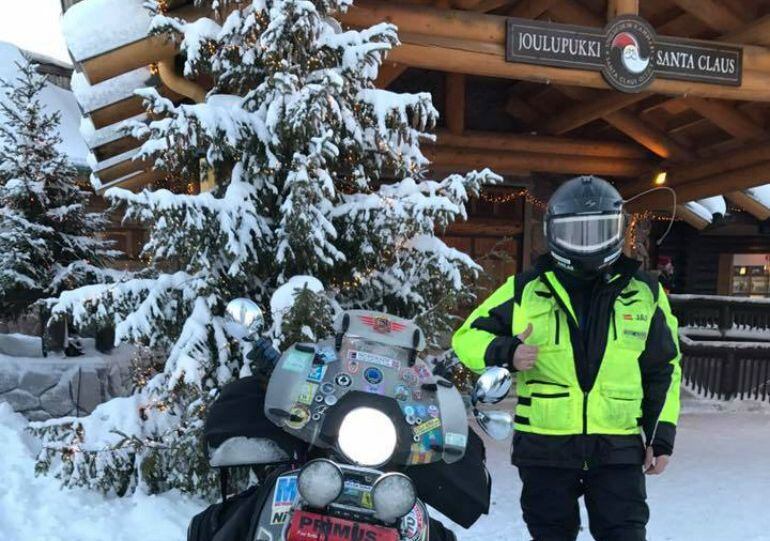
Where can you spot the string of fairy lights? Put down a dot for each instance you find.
(523, 193)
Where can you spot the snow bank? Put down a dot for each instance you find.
(35, 508)
(94, 27)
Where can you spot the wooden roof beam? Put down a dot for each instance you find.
(134, 181)
(692, 218)
(484, 6)
(389, 72)
(541, 144)
(572, 12)
(530, 9)
(708, 168)
(714, 13)
(473, 58)
(728, 118)
(749, 204)
(622, 7)
(756, 32)
(729, 181)
(474, 43)
(637, 129)
(497, 227)
(466, 159)
(648, 136)
(586, 112)
(522, 111)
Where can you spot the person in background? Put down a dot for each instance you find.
(666, 269)
(594, 345)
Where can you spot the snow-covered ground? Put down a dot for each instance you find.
(715, 490)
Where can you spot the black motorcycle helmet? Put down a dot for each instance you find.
(585, 225)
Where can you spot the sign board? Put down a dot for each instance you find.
(627, 52)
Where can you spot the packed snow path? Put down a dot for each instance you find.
(715, 489)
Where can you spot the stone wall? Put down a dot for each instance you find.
(41, 388)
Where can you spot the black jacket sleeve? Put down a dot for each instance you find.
(486, 338)
(659, 365)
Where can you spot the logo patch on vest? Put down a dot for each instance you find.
(636, 317)
(635, 334)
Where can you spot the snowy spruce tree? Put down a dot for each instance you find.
(48, 239)
(320, 181)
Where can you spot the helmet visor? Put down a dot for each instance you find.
(588, 233)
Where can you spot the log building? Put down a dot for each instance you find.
(641, 92)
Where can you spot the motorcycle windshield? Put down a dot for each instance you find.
(317, 391)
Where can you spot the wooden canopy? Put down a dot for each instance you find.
(710, 139)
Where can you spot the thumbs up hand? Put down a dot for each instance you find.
(525, 356)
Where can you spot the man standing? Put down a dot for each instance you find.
(595, 346)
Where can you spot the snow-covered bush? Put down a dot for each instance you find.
(48, 239)
(319, 174)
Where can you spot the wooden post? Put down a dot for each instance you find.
(389, 72)
(455, 103)
(622, 7)
(526, 237)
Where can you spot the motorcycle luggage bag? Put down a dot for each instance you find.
(238, 417)
(235, 519)
(461, 490)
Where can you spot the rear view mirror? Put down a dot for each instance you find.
(492, 386)
(245, 312)
(498, 424)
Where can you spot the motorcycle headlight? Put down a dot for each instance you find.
(367, 437)
(393, 496)
(320, 482)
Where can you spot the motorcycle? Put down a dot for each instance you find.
(370, 412)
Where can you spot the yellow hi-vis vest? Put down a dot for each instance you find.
(550, 398)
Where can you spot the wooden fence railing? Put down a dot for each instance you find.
(721, 313)
(727, 370)
(725, 345)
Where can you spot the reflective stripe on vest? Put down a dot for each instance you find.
(551, 400)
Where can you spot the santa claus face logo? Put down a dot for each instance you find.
(628, 54)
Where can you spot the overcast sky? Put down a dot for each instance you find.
(34, 25)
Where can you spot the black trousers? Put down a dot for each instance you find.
(615, 497)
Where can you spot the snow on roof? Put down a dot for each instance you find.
(715, 205)
(699, 210)
(40, 58)
(707, 208)
(95, 138)
(93, 97)
(53, 99)
(93, 27)
(761, 194)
